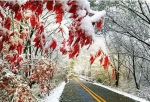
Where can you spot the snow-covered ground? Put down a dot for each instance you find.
(55, 93)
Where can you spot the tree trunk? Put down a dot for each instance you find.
(117, 71)
(134, 75)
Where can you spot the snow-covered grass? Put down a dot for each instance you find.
(55, 93)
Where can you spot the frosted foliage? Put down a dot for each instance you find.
(87, 26)
(98, 44)
(97, 15)
(84, 4)
(65, 6)
(20, 2)
(81, 13)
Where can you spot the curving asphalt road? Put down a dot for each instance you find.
(88, 92)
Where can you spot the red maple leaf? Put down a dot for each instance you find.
(46, 51)
(73, 9)
(74, 50)
(18, 15)
(33, 20)
(106, 62)
(73, 16)
(26, 5)
(6, 38)
(99, 25)
(37, 42)
(70, 39)
(49, 5)
(20, 48)
(9, 58)
(34, 5)
(15, 7)
(53, 44)
(59, 12)
(62, 48)
(2, 3)
(88, 40)
(12, 47)
(99, 53)
(59, 18)
(101, 60)
(39, 9)
(7, 23)
(92, 58)
(19, 59)
(19, 66)
(14, 57)
(22, 35)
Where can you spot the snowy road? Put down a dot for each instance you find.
(97, 93)
(81, 91)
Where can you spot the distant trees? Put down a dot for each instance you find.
(127, 37)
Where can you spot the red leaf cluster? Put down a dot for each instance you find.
(51, 45)
(77, 39)
(40, 37)
(41, 73)
(62, 48)
(104, 60)
(15, 60)
(34, 6)
(24, 34)
(15, 7)
(93, 57)
(14, 86)
(58, 9)
(73, 8)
